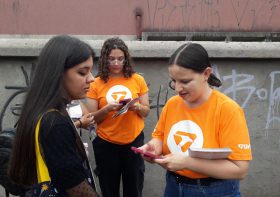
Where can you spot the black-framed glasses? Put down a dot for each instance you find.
(171, 84)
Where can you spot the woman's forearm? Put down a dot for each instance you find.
(223, 169)
(143, 110)
(100, 115)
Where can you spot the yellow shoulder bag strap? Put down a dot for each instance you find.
(42, 170)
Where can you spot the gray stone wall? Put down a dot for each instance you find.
(250, 75)
(254, 84)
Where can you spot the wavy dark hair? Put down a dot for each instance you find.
(194, 56)
(108, 46)
(46, 92)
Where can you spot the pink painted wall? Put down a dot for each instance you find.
(107, 17)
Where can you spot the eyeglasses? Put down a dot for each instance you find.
(120, 60)
(171, 84)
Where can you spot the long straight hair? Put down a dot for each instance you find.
(46, 92)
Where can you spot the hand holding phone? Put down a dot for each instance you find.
(126, 106)
(124, 101)
(146, 154)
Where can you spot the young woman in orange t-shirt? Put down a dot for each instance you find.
(199, 117)
(117, 81)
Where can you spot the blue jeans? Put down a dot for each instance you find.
(222, 188)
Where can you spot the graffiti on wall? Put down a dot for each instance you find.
(239, 85)
(241, 82)
(213, 15)
(11, 105)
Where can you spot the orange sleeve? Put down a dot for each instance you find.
(143, 86)
(234, 133)
(160, 126)
(92, 93)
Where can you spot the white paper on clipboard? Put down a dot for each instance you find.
(125, 107)
(210, 153)
(75, 111)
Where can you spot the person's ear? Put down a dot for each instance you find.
(207, 72)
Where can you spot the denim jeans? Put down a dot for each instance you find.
(223, 188)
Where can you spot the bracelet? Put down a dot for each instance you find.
(81, 125)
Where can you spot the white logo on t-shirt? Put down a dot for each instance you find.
(118, 92)
(244, 146)
(184, 134)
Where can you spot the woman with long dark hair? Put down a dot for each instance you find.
(47, 148)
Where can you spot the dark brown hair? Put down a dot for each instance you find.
(46, 92)
(194, 56)
(108, 46)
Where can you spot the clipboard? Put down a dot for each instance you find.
(210, 153)
(125, 107)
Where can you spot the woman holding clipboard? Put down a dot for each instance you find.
(115, 85)
(199, 117)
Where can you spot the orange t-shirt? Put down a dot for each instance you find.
(218, 123)
(126, 127)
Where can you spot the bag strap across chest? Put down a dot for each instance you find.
(42, 170)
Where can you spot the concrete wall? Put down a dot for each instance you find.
(250, 74)
(254, 84)
(118, 17)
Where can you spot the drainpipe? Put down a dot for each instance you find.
(138, 19)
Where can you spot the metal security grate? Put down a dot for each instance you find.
(212, 36)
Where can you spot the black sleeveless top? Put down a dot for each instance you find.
(58, 139)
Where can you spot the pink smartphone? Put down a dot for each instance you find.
(124, 101)
(146, 154)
